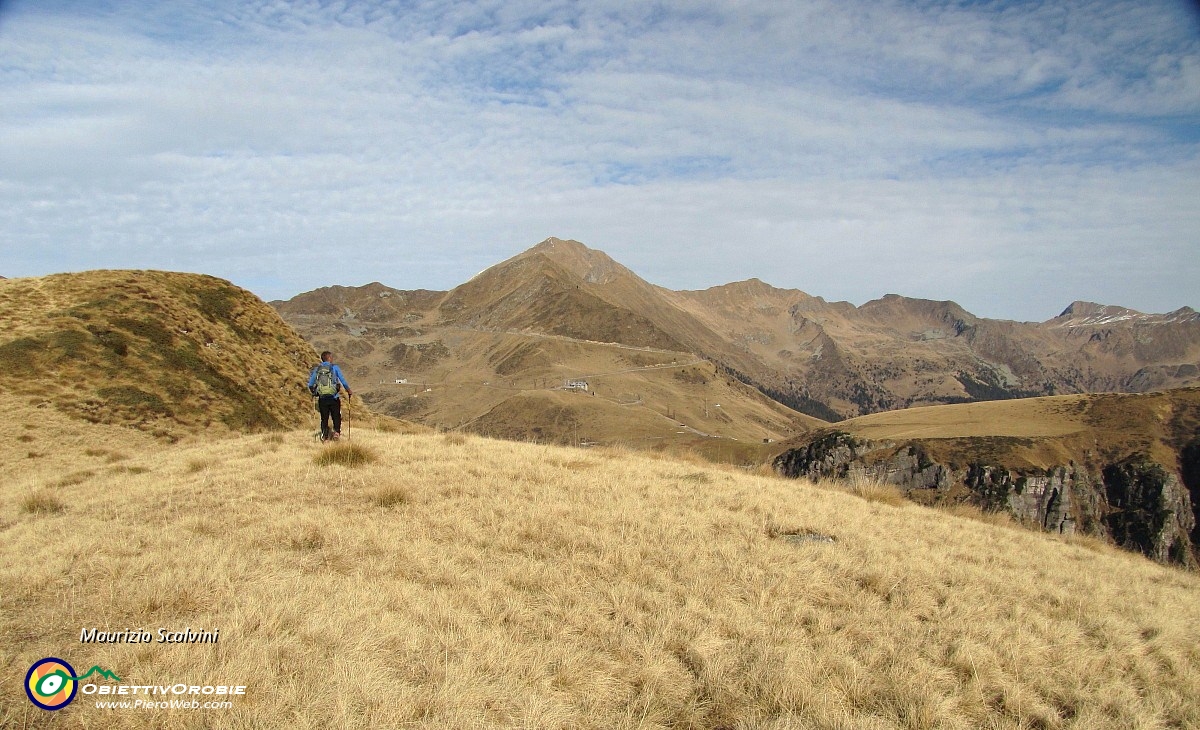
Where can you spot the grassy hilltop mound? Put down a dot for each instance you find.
(456, 581)
(164, 352)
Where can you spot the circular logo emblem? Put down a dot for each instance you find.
(50, 683)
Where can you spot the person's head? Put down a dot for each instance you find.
(327, 356)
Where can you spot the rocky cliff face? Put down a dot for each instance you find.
(1136, 503)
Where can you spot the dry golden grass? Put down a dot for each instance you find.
(391, 496)
(1024, 417)
(1001, 519)
(454, 438)
(1044, 432)
(477, 583)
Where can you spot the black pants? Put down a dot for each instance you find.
(330, 406)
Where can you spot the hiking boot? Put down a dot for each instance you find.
(337, 435)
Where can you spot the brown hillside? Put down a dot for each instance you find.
(481, 381)
(618, 285)
(168, 353)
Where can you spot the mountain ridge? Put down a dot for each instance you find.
(833, 360)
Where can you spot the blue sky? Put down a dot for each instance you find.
(1012, 157)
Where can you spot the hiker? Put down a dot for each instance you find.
(325, 382)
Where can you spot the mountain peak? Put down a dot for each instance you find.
(1080, 308)
(1090, 313)
(896, 304)
(1081, 312)
(747, 290)
(553, 243)
(591, 265)
(753, 284)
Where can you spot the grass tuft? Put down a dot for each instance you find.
(454, 438)
(344, 454)
(873, 490)
(307, 537)
(198, 465)
(42, 503)
(391, 496)
(1092, 543)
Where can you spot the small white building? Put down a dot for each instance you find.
(576, 385)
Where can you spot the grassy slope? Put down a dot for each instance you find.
(463, 582)
(168, 353)
(524, 370)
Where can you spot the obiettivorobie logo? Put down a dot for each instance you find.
(51, 683)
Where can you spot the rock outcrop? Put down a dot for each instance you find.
(1135, 502)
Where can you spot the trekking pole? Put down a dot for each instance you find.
(348, 398)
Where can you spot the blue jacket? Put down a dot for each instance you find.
(337, 378)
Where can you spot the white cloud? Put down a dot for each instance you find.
(850, 149)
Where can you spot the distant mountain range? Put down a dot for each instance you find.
(830, 360)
